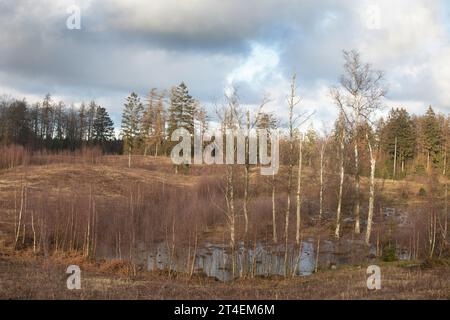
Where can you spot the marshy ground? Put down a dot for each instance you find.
(26, 277)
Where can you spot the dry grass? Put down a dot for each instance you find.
(23, 277)
(196, 195)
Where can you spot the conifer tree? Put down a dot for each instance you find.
(432, 136)
(398, 136)
(131, 124)
(182, 109)
(103, 126)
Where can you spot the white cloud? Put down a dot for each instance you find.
(261, 62)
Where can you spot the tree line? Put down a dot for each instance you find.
(52, 125)
(404, 143)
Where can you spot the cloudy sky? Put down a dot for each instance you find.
(256, 45)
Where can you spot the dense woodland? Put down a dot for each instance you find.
(51, 125)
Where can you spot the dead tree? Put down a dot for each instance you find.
(292, 102)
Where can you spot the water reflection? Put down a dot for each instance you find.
(216, 261)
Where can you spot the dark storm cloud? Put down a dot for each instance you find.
(136, 45)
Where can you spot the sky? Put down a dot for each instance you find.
(253, 45)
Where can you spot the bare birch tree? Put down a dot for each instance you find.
(371, 191)
(444, 225)
(293, 121)
(246, 173)
(323, 146)
(274, 212)
(341, 134)
(293, 100)
(299, 189)
(359, 94)
(230, 119)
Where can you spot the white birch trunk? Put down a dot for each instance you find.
(19, 221)
(129, 157)
(371, 194)
(446, 213)
(341, 185)
(291, 150)
(274, 216)
(322, 152)
(231, 215)
(34, 231)
(299, 180)
(246, 176)
(395, 159)
(357, 188)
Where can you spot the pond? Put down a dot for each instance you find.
(216, 260)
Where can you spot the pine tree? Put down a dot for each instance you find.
(398, 136)
(432, 136)
(103, 126)
(131, 122)
(182, 109)
(310, 145)
(266, 121)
